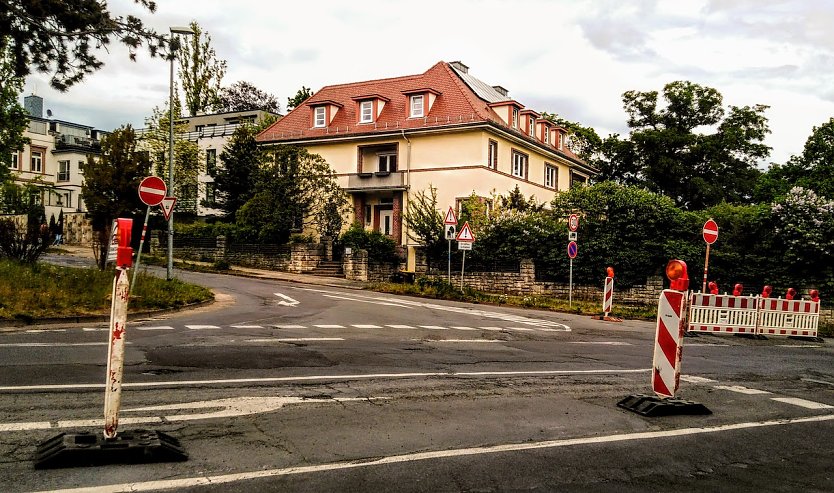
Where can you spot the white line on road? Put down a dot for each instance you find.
(308, 378)
(457, 327)
(55, 344)
(167, 484)
(521, 329)
(433, 327)
(247, 326)
(742, 390)
(602, 343)
(817, 381)
(694, 379)
(159, 327)
(286, 300)
(331, 326)
(95, 329)
(463, 340)
(298, 339)
(361, 326)
(800, 345)
(494, 329)
(290, 326)
(202, 327)
(802, 403)
(395, 326)
(386, 303)
(704, 344)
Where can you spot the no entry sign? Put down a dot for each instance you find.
(710, 231)
(152, 190)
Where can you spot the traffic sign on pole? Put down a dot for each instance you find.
(152, 190)
(450, 217)
(451, 232)
(465, 233)
(573, 222)
(168, 206)
(572, 249)
(710, 231)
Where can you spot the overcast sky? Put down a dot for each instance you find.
(571, 57)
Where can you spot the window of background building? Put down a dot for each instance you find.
(211, 162)
(366, 112)
(515, 117)
(36, 162)
(531, 127)
(492, 155)
(416, 106)
(210, 192)
(546, 135)
(520, 164)
(15, 164)
(387, 163)
(368, 214)
(63, 170)
(550, 176)
(320, 116)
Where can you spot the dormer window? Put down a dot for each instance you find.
(366, 112)
(320, 117)
(531, 126)
(417, 106)
(561, 140)
(515, 117)
(546, 135)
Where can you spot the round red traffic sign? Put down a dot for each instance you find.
(152, 190)
(710, 231)
(573, 222)
(572, 249)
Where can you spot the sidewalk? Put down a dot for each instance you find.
(336, 282)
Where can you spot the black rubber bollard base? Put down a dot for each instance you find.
(653, 406)
(92, 449)
(807, 338)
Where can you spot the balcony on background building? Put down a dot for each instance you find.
(369, 182)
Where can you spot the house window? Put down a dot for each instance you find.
(368, 214)
(15, 164)
(416, 106)
(387, 163)
(515, 117)
(319, 119)
(561, 140)
(550, 176)
(546, 135)
(37, 162)
(492, 155)
(366, 112)
(211, 162)
(210, 192)
(520, 164)
(532, 126)
(63, 170)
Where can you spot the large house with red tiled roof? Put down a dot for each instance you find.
(444, 128)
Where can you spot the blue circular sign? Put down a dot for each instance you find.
(572, 249)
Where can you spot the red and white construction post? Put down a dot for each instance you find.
(668, 342)
(608, 292)
(118, 325)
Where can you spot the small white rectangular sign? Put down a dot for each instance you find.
(571, 235)
(464, 245)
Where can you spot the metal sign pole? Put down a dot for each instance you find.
(462, 264)
(141, 244)
(706, 264)
(570, 285)
(449, 264)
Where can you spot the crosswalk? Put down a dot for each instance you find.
(334, 326)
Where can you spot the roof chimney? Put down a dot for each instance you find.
(501, 90)
(33, 105)
(460, 67)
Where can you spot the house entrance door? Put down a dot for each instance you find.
(386, 222)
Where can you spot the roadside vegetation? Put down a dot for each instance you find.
(35, 291)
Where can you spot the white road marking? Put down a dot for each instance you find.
(465, 340)
(290, 326)
(602, 343)
(159, 327)
(521, 329)
(202, 327)
(386, 303)
(395, 326)
(800, 345)
(433, 327)
(41, 331)
(96, 329)
(308, 378)
(286, 301)
(802, 403)
(246, 326)
(360, 326)
(56, 344)
(741, 390)
(222, 408)
(694, 379)
(494, 329)
(463, 328)
(704, 344)
(325, 326)
(168, 484)
(297, 339)
(817, 381)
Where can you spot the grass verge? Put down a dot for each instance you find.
(30, 292)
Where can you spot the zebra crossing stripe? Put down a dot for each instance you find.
(290, 326)
(160, 327)
(326, 326)
(434, 327)
(395, 326)
(246, 326)
(360, 326)
(201, 327)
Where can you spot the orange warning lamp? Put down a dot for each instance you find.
(609, 271)
(738, 289)
(766, 291)
(676, 272)
(713, 287)
(791, 294)
(124, 255)
(815, 295)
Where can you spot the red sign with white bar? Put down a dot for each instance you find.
(152, 190)
(710, 231)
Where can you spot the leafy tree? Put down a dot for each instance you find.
(24, 244)
(201, 73)
(302, 95)
(475, 211)
(669, 150)
(516, 201)
(380, 248)
(243, 96)
(187, 156)
(236, 178)
(13, 119)
(63, 37)
(584, 141)
(425, 224)
(111, 182)
(295, 190)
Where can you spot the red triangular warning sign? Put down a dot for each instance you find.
(167, 205)
(450, 217)
(465, 233)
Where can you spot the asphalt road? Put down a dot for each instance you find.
(291, 387)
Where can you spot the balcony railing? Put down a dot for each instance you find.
(376, 181)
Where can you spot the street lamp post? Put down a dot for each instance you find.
(174, 30)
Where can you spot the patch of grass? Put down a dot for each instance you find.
(29, 292)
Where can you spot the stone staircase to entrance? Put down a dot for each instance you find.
(328, 268)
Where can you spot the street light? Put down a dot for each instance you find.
(174, 30)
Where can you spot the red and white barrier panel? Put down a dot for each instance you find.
(723, 314)
(667, 343)
(789, 317)
(607, 296)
